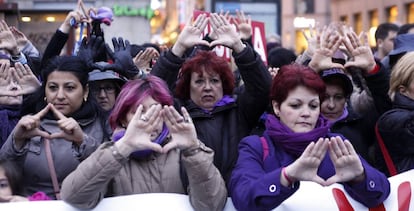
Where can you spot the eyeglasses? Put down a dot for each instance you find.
(106, 89)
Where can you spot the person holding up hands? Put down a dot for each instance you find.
(297, 146)
(60, 118)
(153, 148)
(205, 87)
(15, 81)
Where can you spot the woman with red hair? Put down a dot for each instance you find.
(297, 146)
(205, 87)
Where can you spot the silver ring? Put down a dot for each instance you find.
(144, 118)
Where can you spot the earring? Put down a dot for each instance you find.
(85, 98)
(45, 99)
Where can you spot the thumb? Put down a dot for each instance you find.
(155, 147)
(59, 135)
(169, 146)
(332, 180)
(319, 180)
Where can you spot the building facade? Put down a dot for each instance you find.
(366, 15)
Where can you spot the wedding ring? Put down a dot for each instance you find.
(144, 118)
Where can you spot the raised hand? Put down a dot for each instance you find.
(244, 25)
(28, 127)
(359, 49)
(70, 21)
(226, 33)
(348, 166)
(143, 59)
(305, 168)
(326, 44)
(191, 35)
(138, 133)
(70, 129)
(311, 40)
(7, 40)
(20, 38)
(123, 63)
(90, 49)
(5, 76)
(24, 76)
(182, 130)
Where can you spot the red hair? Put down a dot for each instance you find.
(204, 61)
(291, 76)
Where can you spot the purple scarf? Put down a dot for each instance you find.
(225, 100)
(139, 154)
(295, 143)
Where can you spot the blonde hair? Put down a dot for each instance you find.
(402, 74)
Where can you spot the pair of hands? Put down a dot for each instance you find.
(138, 132)
(29, 126)
(123, 63)
(348, 166)
(323, 43)
(223, 31)
(20, 74)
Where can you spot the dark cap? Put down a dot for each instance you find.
(337, 73)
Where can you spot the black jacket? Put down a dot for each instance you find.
(223, 128)
(397, 130)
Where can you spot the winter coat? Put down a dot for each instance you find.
(396, 128)
(224, 127)
(66, 155)
(105, 174)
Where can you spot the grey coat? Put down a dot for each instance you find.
(66, 156)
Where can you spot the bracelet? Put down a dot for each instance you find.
(286, 176)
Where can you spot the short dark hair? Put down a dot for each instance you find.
(383, 29)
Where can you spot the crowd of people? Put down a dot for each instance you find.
(129, 119)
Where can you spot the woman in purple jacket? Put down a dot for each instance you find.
(300, 148)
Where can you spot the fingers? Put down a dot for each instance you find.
(57, 113)
(43, 112)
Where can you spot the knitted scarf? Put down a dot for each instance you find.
(295, 143)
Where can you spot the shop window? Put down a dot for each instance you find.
(358, 23)
(344, 19)
(392, 14)
(410, 13)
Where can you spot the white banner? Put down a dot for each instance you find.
(310, 196)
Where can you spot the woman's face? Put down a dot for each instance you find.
(333, 105)
(300, 110)
(206, 89)
(5, 189)
(105, 93)
(65, 92)
(146, 103)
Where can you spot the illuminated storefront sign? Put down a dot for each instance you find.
(122, 10)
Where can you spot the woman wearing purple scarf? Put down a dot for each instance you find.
(300, 149)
